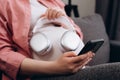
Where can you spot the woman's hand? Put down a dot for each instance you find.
(53, 13)
(67, 63)
(71, 63)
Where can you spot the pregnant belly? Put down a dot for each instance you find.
(59, 43)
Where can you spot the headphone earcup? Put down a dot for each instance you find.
(40, 43)
(70, 40)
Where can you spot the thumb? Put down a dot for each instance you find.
(43, 15)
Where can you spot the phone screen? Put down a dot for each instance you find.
(92, 45)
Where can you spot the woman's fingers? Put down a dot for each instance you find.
(59, 14)
(50, 13)
(82, 64)
(82, 57)
(80, 61)
(53, 13)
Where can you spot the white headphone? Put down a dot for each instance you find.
(45, 37)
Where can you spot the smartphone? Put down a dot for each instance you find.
(92, 45)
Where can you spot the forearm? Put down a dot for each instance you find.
(32, 67)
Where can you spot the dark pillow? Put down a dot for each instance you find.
(94, 28)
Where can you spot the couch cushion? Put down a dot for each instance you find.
(94, 28)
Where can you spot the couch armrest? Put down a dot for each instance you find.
(114, 51)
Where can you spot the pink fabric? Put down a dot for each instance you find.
(14, 29)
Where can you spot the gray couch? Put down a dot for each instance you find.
(94, 28)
